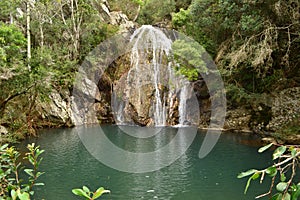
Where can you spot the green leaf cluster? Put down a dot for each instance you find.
(12, 186)
(287, 158)
(189, 59)
(89, 195)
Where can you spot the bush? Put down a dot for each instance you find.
(11, 185)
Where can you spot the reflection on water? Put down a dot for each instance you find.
(68, 164)
(136, 155)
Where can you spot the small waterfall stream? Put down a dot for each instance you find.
(182, 105)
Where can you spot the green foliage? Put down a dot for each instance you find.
(62, 34)
(189, 58)
(12, 44)
(139, 2)
(288, 158)
(181, 18)
(87, 194)
(251, 42)
(17, 81)
(154, 11)
(8, 10)
(11, 185)
(220, 19)
(129, 7)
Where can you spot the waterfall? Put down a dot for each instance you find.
(152, 69)
(118, 108)
(151, 41)
(183, 106)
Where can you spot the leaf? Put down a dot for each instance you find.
(282, 177)
(23, 196)
(278, 152)
(272, 171)
(281, 186)
(247, 185)
(264, 148)
(296, 194)
(39, 184)
(294, 153)
(3, 147)
(13, 194)
(39, 152)
(253, 177)
(247, 173)
(29, 172)
(286, 196)
(38, 174)
(80, 192)
(30, 159)
(86, 189)
(276, 196)
(99, 192)
(256, 175)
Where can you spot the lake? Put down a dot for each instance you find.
(69, 164)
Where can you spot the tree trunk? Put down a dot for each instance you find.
(28, 35)
(137, 13)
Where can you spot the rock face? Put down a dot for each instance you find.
(238, 119)
(56, 110)
(285, 108)
(132, 104)
(116, 18)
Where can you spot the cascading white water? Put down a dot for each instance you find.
(149, 41)
(150, 65)
(183, 105)
(118, 105)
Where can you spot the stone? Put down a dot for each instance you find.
(3, 130)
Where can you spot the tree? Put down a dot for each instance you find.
(253, 42)
(13, 77)
(155, 11)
